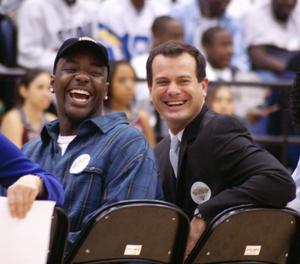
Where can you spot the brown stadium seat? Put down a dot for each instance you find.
(58, 236)
(135, 230)
(247, 234)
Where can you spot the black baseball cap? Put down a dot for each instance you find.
(73, 43)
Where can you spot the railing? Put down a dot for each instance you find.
(10, 72)
(284, 139)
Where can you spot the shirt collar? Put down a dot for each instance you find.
(103, 123)
(178, 135)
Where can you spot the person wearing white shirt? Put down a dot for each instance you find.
(44, 25)
(129, 23)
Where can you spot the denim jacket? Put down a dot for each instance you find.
(106, 162)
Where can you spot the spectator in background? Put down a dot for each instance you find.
(199, 15)
(248, 101)
(8, 58)
(220, 99)
(10, 7)
(238, 10)
(25, 180)
(44, 25)
(128, 22)
(272, 36)
(164, 28)
(25, 121)
(121, 94)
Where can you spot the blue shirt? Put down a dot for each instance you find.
(14, 164)
(189, 14)
(106, 162)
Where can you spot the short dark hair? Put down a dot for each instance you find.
(209, 34)
(159, 24)
(175, 48)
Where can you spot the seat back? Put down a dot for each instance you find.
(136, 230)
(249, 235)
(58, 236)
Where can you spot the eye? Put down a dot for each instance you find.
(40, 87)
(161, 82)
(121, 80)
(96, 72)
(70, 69)
(184, 81)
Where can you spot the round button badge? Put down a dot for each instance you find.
(200, 192)
(80, 163)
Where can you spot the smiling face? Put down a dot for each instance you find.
(175, 90)
(80, 87)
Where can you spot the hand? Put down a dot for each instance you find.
(22, 194)
(256, 114)
(197, 227)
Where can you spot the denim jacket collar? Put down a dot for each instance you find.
(103, 123)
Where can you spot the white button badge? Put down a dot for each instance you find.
(80, 163)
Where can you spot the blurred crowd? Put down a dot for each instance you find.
(242, 40)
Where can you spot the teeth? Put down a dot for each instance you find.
(80, 99)
(175, 103)
(80, 91)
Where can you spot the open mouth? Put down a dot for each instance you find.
(175, 103)
(80, 95)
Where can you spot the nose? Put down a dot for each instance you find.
(82, 77)
(173, 89)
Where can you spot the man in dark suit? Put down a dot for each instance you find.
(219, 166)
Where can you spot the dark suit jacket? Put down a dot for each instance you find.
(220, 166)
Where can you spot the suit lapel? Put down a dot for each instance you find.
(166, 170)
(189, 134)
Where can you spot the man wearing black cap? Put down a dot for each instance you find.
(99, 158)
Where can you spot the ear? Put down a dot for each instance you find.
(105, 95)
(106, 89)
(52, 80)
(204, 86)
(150, 93)
(22, 91)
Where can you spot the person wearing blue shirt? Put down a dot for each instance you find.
(203, 14)
(100, 159)
(25, 180)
